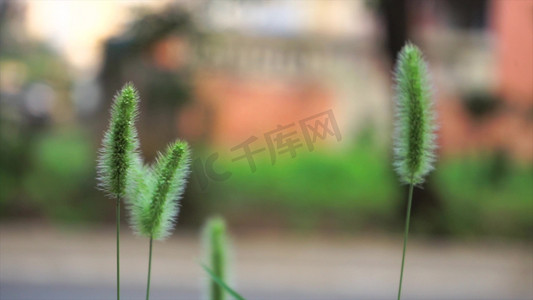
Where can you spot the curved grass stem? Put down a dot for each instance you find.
(149, 270)
(406, 233)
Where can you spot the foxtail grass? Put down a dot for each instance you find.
(414, 136)
(118, 154)
(216, 245)
(154, 194)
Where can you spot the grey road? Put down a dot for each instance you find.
(39, 262)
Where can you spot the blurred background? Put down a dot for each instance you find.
(288, 107)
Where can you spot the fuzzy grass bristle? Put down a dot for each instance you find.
(120, 143)
(156, 191)
(414, 139)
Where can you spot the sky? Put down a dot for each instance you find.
(77, 28)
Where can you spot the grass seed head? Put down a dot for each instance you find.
(414, 137)
(157, 190)
(120, 143)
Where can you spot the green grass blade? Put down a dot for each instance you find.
(223, 284)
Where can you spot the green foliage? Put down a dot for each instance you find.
(414, 140)
(120, 144)
(62, 159)
(348, 188)
(26, 63)
(485, 195)
(215, 235)
(153, 192)
(223, 284)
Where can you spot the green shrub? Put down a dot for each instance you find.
(486, 194)
(347, 188)
(61, 171)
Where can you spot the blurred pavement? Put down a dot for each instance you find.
(39, 262)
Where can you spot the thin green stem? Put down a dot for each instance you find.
(149, 270)
(405, 235)
(118, 247)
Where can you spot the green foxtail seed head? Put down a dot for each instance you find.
(414, 139)
(120, 143)
(155, 191)
(215, 236)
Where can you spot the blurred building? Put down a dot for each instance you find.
(153, 53)
(484, 77)
(256, 65)
(266, 64)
